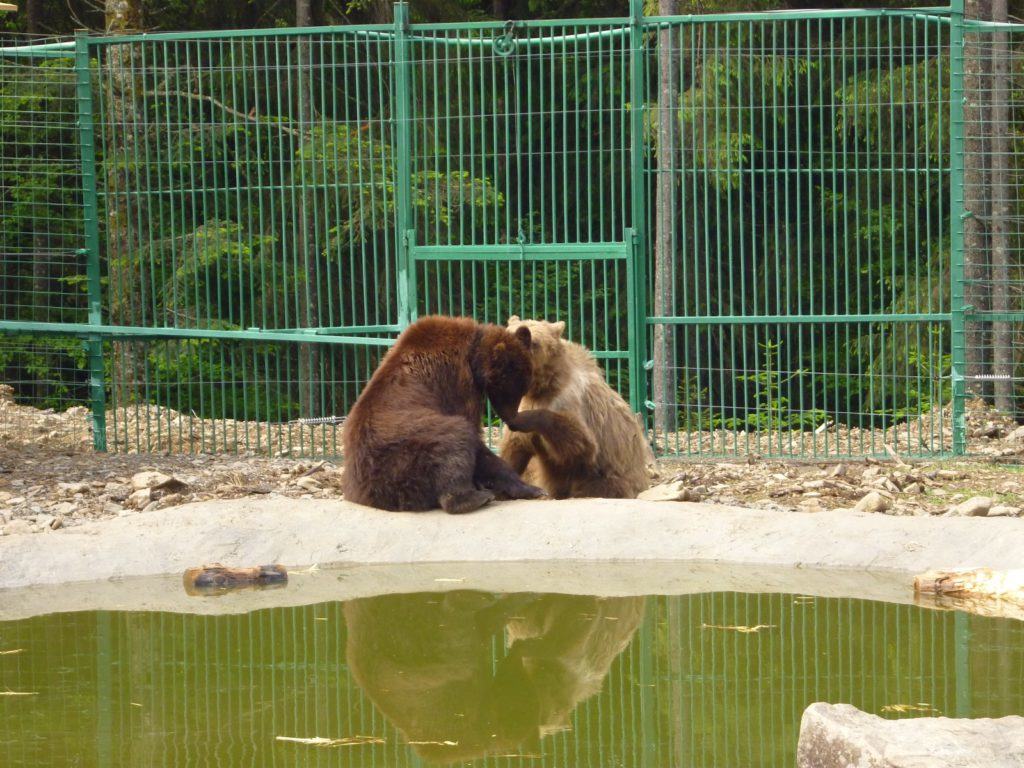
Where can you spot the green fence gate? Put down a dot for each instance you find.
(787, 234)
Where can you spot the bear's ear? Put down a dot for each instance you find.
(558, 328)
(524, 336)
(513, 320)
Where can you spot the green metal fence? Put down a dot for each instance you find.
(770, 228)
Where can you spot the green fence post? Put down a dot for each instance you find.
(403, 169)
(90, 217)
(957, 213)
(637, 248)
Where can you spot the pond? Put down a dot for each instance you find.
(467, 677)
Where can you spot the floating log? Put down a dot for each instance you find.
(217, 579)
(8, 7)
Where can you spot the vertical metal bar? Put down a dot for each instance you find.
(104, 654)
(956, 218)
(90, 215)
(637, 335)
(403, 173)
(962, 654)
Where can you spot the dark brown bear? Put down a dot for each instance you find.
(412, 441)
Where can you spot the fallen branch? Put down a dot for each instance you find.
(321, 741)
(224, 107)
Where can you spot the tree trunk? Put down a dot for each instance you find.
(34, 17)
(1002, 332)
(976, 241)
(309, 315)
(117, 145)
(664, 384)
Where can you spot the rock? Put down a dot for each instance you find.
(698, 492)
(948, 474)
(58, 522)
(837, 470)
(990, 429)
(172, 486)
(112, 508)
(813, 485)
(141, 480)
(139, 499)
(913, 488)
(1002, 510)
(873, 502)
(1017, 435)
(43, 521)
(171, 500)
(19, 525)
(671, 491)
(308, 483)
(976, 506)
(70, 489)
(840, 735)
(64, 508)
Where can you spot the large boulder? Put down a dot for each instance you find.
(841, 736)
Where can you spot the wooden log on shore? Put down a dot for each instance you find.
(217, 579)
(981, 591)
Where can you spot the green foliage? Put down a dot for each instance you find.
(771, 406)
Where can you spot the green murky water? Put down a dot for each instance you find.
(504, 680)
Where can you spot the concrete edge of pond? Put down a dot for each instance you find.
(596, 546)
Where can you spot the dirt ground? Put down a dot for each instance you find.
(50, 477)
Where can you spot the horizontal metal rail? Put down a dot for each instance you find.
(611, 26)
(87, 330)
(524, 252)
(41, 50)
(910, 317)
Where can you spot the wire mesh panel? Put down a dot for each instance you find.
(247, 183)
(42, 262)
(798, 239)
(993, 136)
(521, 135)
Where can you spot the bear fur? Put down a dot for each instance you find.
(412, 440)
(427, 662)
(609, 458)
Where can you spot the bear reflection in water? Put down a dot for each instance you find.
(427, 661)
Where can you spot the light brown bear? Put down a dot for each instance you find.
(612, 462)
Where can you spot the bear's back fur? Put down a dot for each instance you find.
(413, 437)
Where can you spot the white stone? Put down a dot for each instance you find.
(139, 499)
(675, 490)
(142, 480)
(1002, 510)
(873, 502)
(20, 525)
(976, 506)
(841, 736)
